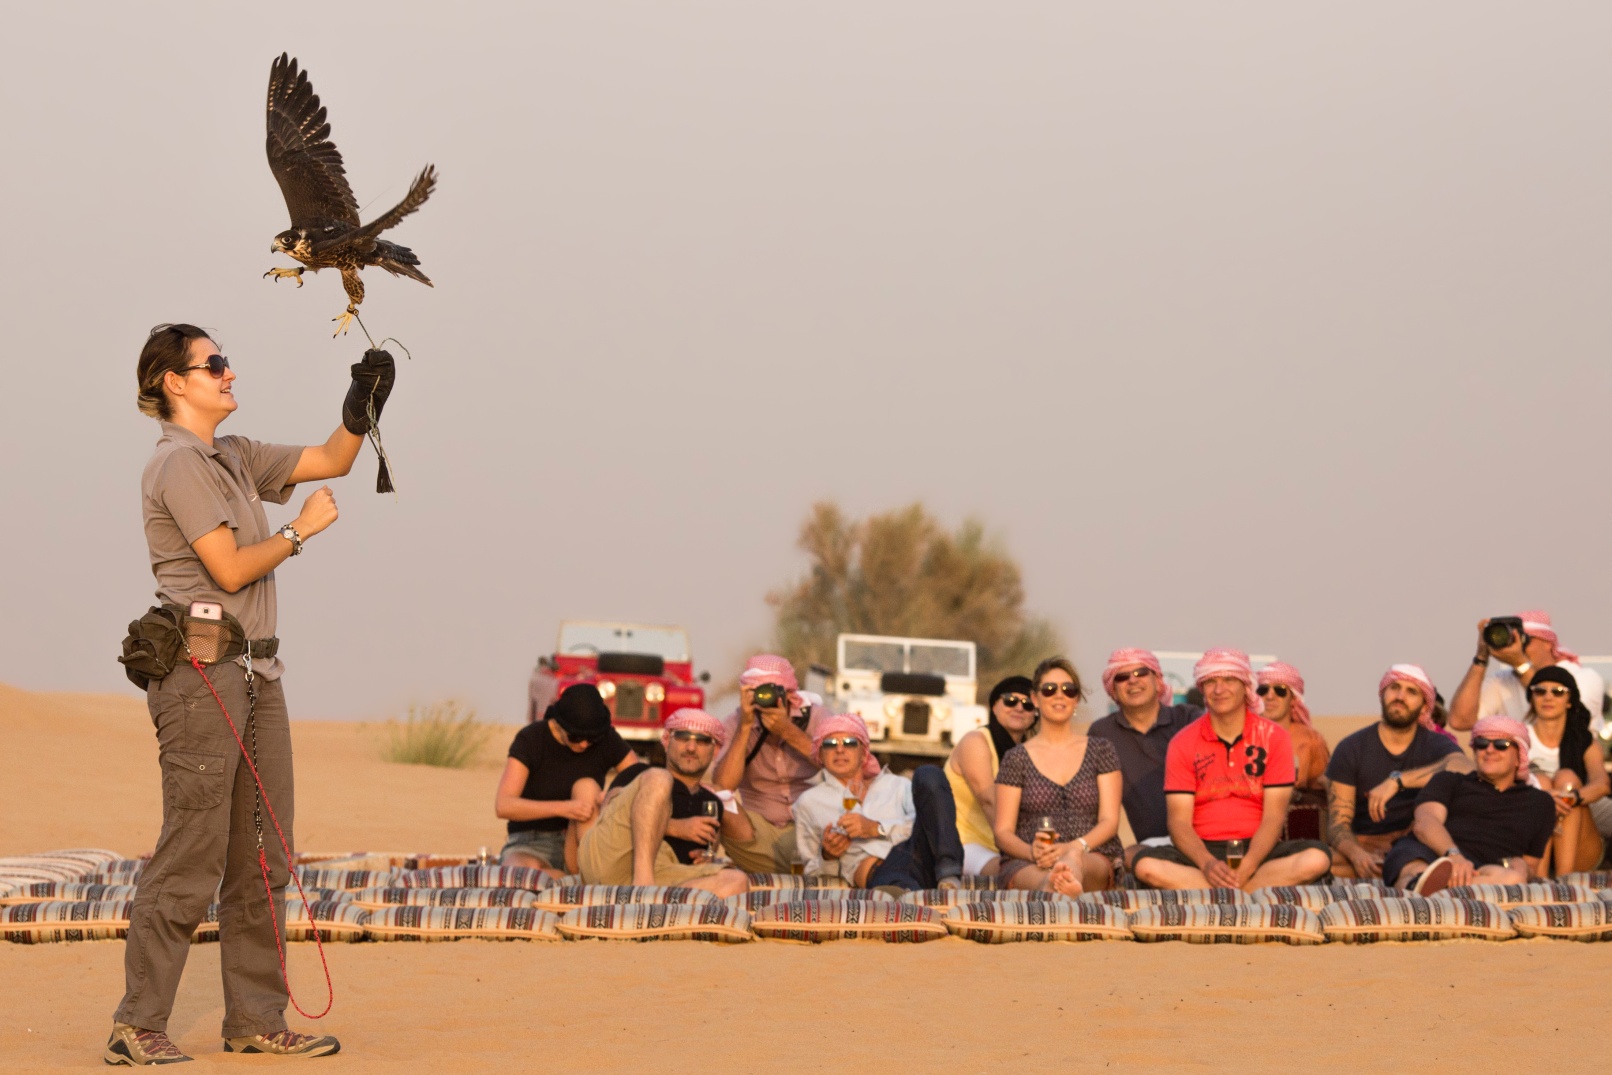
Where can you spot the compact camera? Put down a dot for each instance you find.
(1501, 630)
(769, 696)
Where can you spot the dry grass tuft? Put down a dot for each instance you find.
(442, 733)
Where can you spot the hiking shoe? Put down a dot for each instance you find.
(135, 1047)
(284, 1043)
(1436, 878)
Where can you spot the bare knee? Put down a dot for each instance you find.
(1312, 863)
(730, 883)
(587, 790)
(1146, 871)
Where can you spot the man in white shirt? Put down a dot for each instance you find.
(1503, 692)
(870, 826)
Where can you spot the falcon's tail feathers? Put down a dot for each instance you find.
(400, 261)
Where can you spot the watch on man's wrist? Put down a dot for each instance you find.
(289, 532)
(1524, 668)
(1453, 850)
(1481, 662)
(884, 833)
(1399, 778)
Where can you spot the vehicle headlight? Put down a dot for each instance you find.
(654, 693)
(892, 708)
(607, 689)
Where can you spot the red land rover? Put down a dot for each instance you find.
(643, 672)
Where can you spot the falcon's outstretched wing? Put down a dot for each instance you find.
(302, 157)
(419, 191)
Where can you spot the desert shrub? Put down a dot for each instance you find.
(442, 733)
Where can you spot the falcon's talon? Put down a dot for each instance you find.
(281, 274)
(344, 322)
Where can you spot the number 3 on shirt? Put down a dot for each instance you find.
(1256, 760)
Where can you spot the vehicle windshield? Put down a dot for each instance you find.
(592, 639)
(940, 660)
(874, 656)
(929, 658)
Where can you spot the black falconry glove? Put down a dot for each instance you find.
(373, 378)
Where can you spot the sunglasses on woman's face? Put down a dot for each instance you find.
(846, 741)
(693, 737)
(1555, 690)
(215, 364)
(1267, 688)
(1480, 742)
(1017, 701)
(1126, 677)
(1050, 690)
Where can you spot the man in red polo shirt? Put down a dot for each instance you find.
(1228, 777)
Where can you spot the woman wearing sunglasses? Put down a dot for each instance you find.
(1566, 759)
(1282, 688)
(210, 542)
(971, 770)
(1058, 797)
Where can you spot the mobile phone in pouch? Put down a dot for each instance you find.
(206, 610)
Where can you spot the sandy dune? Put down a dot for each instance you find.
(80, 770)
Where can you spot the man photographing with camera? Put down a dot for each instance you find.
(768, 762)
(1520, 646)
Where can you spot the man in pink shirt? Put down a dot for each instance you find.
(768, 762)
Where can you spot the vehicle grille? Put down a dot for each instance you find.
(915, 718)
(629, 699)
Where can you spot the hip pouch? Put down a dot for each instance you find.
(166, 637)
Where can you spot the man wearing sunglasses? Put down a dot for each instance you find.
(1141, 730)
(871, 827)
(1496, 683)
(1482, 827)
(654, 829)
(1376, 773)
(210, 542)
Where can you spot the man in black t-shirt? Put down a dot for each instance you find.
(690, 843)
(1375, 773)
(629, 845)
(1483, 827)
(554, 779)
(1141, 730)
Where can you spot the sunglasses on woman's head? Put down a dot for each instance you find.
(1017, 701)
(846, 741)
(215, 364)
(1267, 688)
(693, 737)
(1049, 690)
(1125, 677)
(1480, 742)
(1555, 690)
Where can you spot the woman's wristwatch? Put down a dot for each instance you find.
(289, 532)
(1084, 846)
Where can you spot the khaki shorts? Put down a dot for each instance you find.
(605, 857)
(770, 850)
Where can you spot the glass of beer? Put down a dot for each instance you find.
(1235, 850)
(850, 802)
(1046, 831)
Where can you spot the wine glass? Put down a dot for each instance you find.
(712, 808)
(1046, 831)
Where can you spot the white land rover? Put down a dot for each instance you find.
(917, 695)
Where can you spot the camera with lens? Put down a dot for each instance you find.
(1501, 631)
(769, 696)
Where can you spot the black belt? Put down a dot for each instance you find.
(263, 649)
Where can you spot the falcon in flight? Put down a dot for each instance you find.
(325, 231)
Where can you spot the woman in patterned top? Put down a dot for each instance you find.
(1058, 797)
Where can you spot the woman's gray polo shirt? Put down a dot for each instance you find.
(189, 489)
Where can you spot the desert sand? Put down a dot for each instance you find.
(80, 771)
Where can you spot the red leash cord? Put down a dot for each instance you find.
(263, 864)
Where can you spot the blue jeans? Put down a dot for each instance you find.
(934, 851)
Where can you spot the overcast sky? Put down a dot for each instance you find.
(1276, 325)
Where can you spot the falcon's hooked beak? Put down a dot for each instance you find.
(277, 247)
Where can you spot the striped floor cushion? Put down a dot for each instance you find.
(1136, 899)
(836, 920)
(1236, 923)
(67, 891)
(954, 897)
(658, 922)
(1537, 892)
(1004, 921)
(345, 880)
(40, 872)
(361, 860)
(1411, 918)
(461, 923)
(84, 859)
(1588, 921)
(43, 923)
(975, 882)
(375, 899)
(754, 901)
(1596, 879)
(121, 872)
(338, 920)
(762, 882)
(474, 877)
(570, 897)
(1310, 897)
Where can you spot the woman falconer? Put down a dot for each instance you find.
(210, 541)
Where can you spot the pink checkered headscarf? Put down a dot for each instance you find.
(768, 668)
(1122, 659)
(1506, 728)
(1416, 677)
(844, 724)
(689, 719)
(1282, 674)
(1231, 663)
(1537, 623)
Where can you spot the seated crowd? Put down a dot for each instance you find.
(1209, 794)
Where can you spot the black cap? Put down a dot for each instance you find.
(581, 712)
